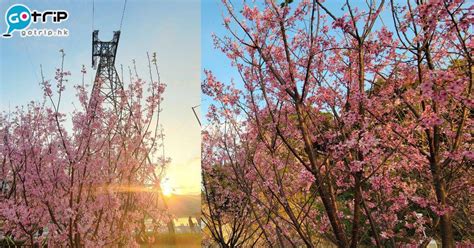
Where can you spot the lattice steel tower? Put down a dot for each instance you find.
(107, 82)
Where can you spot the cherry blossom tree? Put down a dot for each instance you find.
(92, 181)
(344, 129)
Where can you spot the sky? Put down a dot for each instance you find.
(211, 58)
(171, 28)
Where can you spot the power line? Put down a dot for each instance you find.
(93, 14)
(121, 18)
(123, 13)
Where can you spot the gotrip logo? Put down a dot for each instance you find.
(19, 17)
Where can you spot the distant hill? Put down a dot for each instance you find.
(184, 205)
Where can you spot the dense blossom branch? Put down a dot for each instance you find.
(350, 131)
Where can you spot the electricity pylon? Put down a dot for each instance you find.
(107, 82)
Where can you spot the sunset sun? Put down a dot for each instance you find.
(166, 188)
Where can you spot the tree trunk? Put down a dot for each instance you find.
(327, 198)
(447, 237)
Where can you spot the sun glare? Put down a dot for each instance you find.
(166, 188)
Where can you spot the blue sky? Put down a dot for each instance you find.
(213, 59)
(169, 27)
